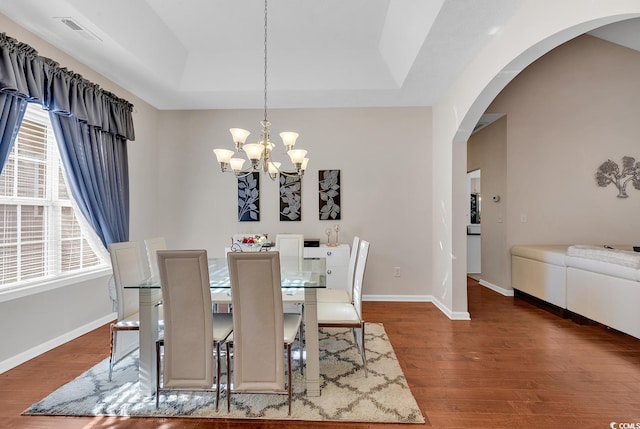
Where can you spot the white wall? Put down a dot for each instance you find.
(384, 157)
(39, 322)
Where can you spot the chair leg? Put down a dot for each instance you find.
(363, 351)
(228, 377)
(157, 374)
(289, 375)
(112, 348)
(217, 374)
(301, 347)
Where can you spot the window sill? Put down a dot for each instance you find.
(51, 284)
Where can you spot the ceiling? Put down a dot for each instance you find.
(205, 54)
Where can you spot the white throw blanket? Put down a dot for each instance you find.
(605, 254)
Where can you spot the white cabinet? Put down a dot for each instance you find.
(474, 254)
(337, 263)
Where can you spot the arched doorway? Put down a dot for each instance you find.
(533, 31)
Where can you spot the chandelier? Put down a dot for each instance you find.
(259, 154)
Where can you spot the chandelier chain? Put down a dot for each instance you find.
(265, 60)
(260, 153)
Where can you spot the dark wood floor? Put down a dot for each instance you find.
(512, 366)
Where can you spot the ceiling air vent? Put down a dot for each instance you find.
(78, 29)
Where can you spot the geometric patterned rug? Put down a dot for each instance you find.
(346, 394)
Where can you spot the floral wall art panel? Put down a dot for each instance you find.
(290, 198)
(249, 198)
(329, 194)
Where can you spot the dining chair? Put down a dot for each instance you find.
(342, 294)
(349, 315)
(128, 269)
(192, 333)
(261, 331)
(153, 245)
(291, 248)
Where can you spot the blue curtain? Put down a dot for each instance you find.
(91, 125)
(11, 115)
(97, 173)
(25, 74)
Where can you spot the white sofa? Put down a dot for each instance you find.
(591, 281)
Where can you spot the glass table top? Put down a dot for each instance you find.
(312, 275)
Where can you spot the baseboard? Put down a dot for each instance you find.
(23, 357)
(398, 298)
(453, 315)
(501, 291)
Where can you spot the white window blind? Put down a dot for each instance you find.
(40, 236)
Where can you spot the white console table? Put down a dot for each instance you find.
(337, 260)
(337, 263)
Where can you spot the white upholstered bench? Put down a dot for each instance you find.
(590, 281)
(540, 271)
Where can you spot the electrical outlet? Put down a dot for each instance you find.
(523, 218)
(396, 271)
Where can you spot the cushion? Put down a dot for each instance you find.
(604, 268)
(552, 254)
(625, 258)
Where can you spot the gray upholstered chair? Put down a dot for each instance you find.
(128, 269)
(349, 315)
(345, 293)
(192, 333)
(153, 245)
(261, 331)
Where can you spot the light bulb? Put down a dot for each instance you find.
(223, 155)
(253, 151)
(236, 164)
(297, 156)
(239, 135)
(289, 138)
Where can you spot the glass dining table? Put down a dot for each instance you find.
(299, 283)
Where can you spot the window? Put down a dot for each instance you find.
(40, 236)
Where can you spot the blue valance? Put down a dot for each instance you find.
(25, 74)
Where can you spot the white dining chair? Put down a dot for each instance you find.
(261, 331)
(342, 294)
(128, 269)
(192, 333)
(349, 315)
(291, 248)
(153, 245)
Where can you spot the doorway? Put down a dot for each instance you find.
(474, 216)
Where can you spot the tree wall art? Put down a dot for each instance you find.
(609, 172)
